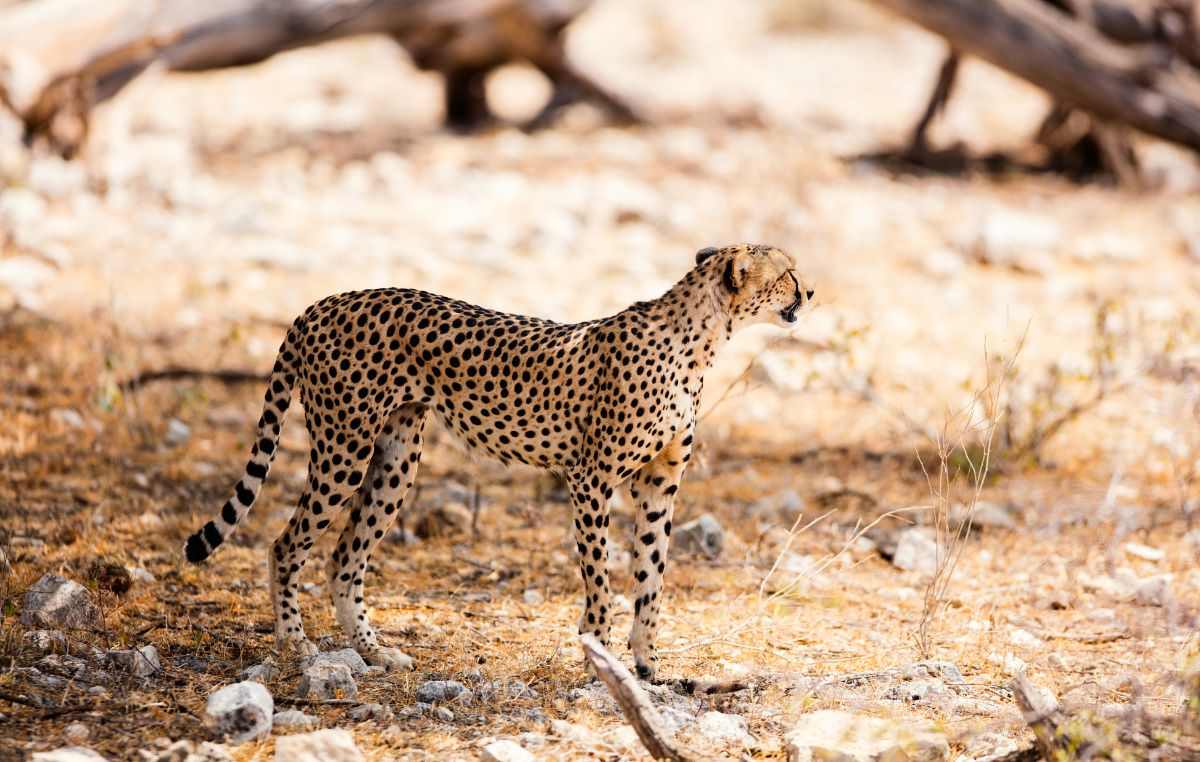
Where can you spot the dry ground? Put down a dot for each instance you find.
(211, 209)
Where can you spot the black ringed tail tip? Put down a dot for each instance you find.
(196, 550)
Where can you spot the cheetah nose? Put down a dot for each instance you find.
(809, 294)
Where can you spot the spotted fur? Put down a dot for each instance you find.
(601, 403)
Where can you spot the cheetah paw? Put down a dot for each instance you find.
(301, 648)
(388, 658)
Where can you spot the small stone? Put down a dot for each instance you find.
(141, 576)
(140, 662)
(847, 737)
(989, 747)
(327, 680)
(1057, 661)
(532, 597)
(56, 602)
(1154, 591)
(240, 712)
(444, 714)
(725, 728)
(364, 712)
(268, 670)
(68, 754)
(292, 718)
(441, 520)
(177, 433)
(210, 752)
(570, 731)
(505, 751)
(440, 691)
(1024, 639)
(703, 536)
(914, 550)
(347, 656)
(318, 746)
(76, 732)
(915, 690)
(506, 689)
(1144, 552)
(180, 751)
(944, 670)
(419, 709)
(46, 640)
(985, 515)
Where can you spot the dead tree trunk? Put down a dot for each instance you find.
(59, 58)
(1072, 61)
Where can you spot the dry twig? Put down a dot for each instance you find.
(635, 703)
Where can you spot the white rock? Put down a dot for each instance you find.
(943, 263)
(846, 737)
(327, 680)
(140, 575)
(988, 747)
(53, 176)
(505, 751)
(46, 640)
(21, 207)
(318, 746)
(56, 602)
(23, 274)
(347, 656)
(916, 690)
(570, 731)
(140, 662)
(1024, 639)
(1144, 552)
(703, 535)
(438, 691)
(1154, 591)
(267, 670)
(292, 718)
(1124, 585)
(1013, 238)
(725, 728)
(76, 732)
(443, 714)
(178, 433)
(68, 754)
(532, 597)
(210, 752)
(914, 550)
(241, 712)
(986, 514)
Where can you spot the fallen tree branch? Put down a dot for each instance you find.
(634, 702)
(179, 373)
(1074, 63)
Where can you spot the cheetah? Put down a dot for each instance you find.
(601, 403)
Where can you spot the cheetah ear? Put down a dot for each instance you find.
(736, 269)
(705, 253)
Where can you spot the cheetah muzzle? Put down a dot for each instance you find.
(601, 403)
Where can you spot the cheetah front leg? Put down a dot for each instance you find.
(653, 490)
(591, 495)
(392, 471)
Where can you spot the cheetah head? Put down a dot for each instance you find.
(759, 283)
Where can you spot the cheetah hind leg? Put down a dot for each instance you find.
(392, 471)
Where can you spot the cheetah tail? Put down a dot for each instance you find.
(279, 396)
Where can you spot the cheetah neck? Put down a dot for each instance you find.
(694, 315)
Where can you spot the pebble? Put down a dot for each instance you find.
(318, 746)
(830, 734)
(439, 691)
(240, 712)
(725, 728)
(140, 662)
(46, 640)
(365, 712)
(346, 656)
(915, 551)
(703, 536)
(327, 680)
(68, 754)
(267, 670)
(177, 433)
(292, 718)
(56, 602)
(505, 751)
